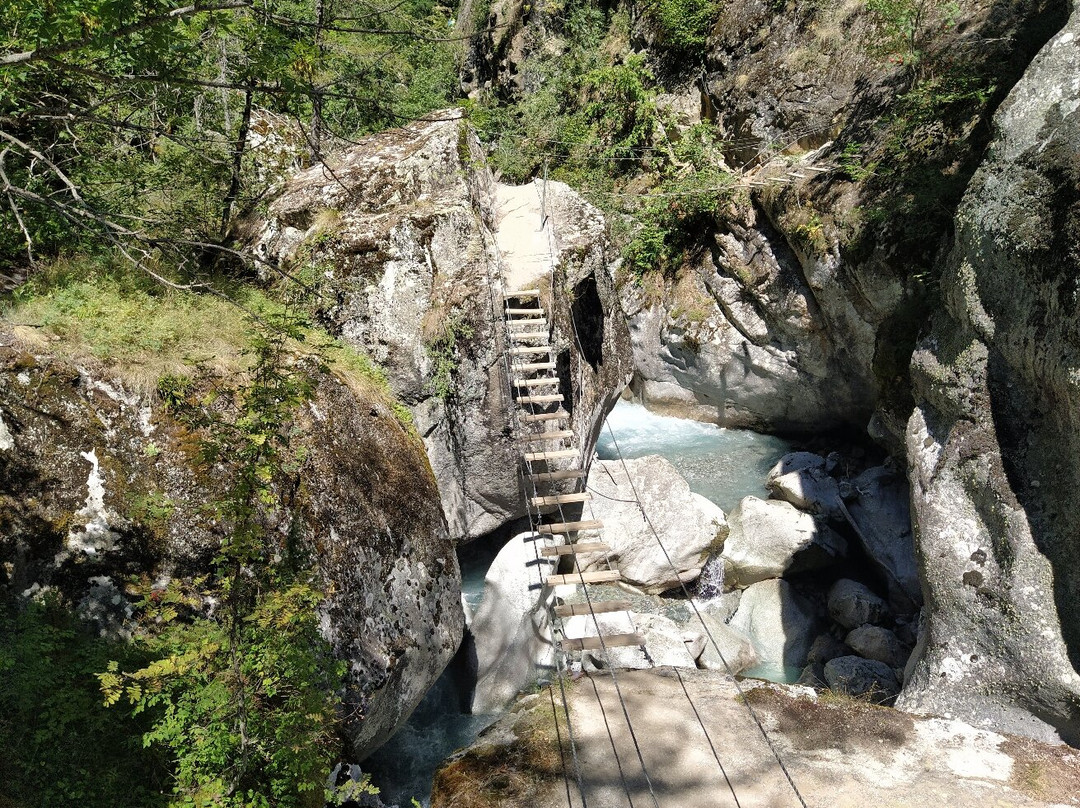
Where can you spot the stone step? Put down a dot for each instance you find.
(575, 549)
(560, 499)
(609, 641)
(594, 577)
(561, 474)
(567, 527)
(598, 607)
(556, 454)
(542, 436)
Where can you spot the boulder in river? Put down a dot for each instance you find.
(768, 539)
(780, 622)
(852, 604)
(876, 642)
(827, 647)
(687, 523)
(811, 489)
(511, 630)
(862, 677)
(733, 651)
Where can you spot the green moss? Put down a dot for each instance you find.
(158, 340)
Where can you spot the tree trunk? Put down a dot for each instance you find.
(237, 161)
(321, 12)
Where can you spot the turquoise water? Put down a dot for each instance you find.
(772, 672)
(404, 766)
(723, 465)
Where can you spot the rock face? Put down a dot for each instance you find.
(994, 444)
(687, 524)
(771, 538)
(99, 484)
(747, 343)
(405, 239)
(511, 630)
(881, 515)
(781, 622)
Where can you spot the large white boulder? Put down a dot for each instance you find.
(664, 643)
(732, 646)
(511, 629)
(811, 489)
(769, 538)
(780, 622)
(687, 524)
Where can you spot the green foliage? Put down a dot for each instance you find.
(246, 712)
(444, 353)
(682, 25)
(906, 27)
(125, 122)
(683, 204)
(102, 309)
(61, 746)
(590, 116)
(156, 338)
(243, 697)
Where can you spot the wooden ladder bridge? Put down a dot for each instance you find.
(539, 394)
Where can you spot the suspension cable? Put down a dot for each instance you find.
(742, 695)
(585, 590)
(637, 499)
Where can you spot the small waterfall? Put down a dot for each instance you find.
(710, 584)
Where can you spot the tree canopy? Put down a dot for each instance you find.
(128, 123)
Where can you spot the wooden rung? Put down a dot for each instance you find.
(598, 607)
(566, 527)
(545, 399)
(575, 549)
(547, 381)
(537, 310)
(539, 322)
(594, 577)
(562, 474)
(533, 366)
(543, 416)
(524, 293)
(561, 499)
(542, 436)
(610, 641)
(526, 350)
(555, 454)
(520, 335)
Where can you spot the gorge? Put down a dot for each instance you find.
(849, 229)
